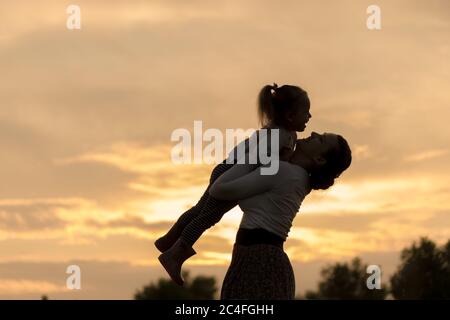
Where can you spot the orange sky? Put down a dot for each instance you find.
(86, 117)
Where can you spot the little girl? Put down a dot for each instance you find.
(285, 108)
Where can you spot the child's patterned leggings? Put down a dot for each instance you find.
(206, 213)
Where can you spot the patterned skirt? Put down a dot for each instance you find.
(259, 272)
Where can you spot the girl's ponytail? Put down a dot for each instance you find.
(266, 106)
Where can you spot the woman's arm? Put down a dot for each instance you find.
(242, 181)
(261, 144)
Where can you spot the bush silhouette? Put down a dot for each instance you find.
(345, 281)
(424, 272)
(200, 287)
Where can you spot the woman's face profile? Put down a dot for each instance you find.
(314, 146)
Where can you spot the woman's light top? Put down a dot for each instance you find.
(275, 209)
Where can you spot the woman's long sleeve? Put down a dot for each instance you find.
(242, 181)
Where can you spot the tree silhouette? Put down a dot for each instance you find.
(345, 281)
(200, 288)
(424, 272)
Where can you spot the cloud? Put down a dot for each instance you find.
(360, 152)
(129, 221)
(87, 117)
(156, 174)
(99, 279)
(426, 155)
(40, 217)
(439, 220)
(347, 222)
(101, 13)
(120, 279)
(25, 287)
(214, 243)
(112, 103)
(19, 217)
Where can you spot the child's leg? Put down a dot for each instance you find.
(211, 213)
(191, 213)
(166, 241)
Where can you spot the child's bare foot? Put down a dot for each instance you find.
(173, 259)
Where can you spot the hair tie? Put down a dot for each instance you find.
(274, 88)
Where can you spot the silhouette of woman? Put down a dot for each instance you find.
(260, 269)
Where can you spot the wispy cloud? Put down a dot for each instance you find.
(426, 155)
(361, 152)
(155, 171)
(85, 157)
(23, 287)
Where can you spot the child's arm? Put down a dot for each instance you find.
(242, 181)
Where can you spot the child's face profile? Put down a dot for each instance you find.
(300, 117)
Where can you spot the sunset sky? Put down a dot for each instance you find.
(86, 117)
